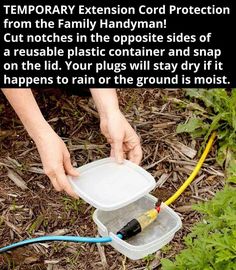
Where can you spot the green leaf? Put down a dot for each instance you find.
(221, 154)
(215, 98)
(231, 164)
(168, 264)
(221, 108)
(212, 242)
(191, 126)
(231, 179)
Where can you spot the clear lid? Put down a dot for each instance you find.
(108, 186)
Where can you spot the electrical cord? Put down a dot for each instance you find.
(194, 172)
(137, 225)
(75, 239)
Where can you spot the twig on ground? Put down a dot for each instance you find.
(102, 256)
(17, 179)
(147, 167)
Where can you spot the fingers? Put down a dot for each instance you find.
(60, 181)
(64, 183)
(118, 150)
(54, 183)
(112, 153)
(135, 154)
(68, 166)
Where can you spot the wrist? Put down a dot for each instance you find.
(109, 112)
(106, 101)
(40, 131)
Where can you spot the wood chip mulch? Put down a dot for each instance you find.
(30, 207)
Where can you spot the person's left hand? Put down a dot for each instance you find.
(124, 141)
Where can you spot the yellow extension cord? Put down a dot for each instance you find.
(151, 215)
(194, 172)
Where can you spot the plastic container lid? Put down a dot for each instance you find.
(108, 186)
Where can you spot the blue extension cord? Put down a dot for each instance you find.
(75, 239)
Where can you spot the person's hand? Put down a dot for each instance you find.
(56, 160)
(53, 152)
(120, 135)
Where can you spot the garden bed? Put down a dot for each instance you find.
(35, 208)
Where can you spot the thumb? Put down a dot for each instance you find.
(69, 169)
(118, 151)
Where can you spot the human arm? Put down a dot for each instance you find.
(53, 152)
(114, 126)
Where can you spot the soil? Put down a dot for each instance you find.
(39, 210)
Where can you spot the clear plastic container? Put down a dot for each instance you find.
(120, 193)
(153, 238)
(107, 185)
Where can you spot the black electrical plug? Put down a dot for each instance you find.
(135, 226)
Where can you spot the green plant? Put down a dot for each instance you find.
(219, 113)
(166, 249)
(149, 258)
(36, 224)
(71, 204)
(212, 243)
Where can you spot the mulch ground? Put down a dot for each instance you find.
(36, 209)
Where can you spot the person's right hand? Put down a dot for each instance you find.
(54, 154)
(56, 160)
(121, 136)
